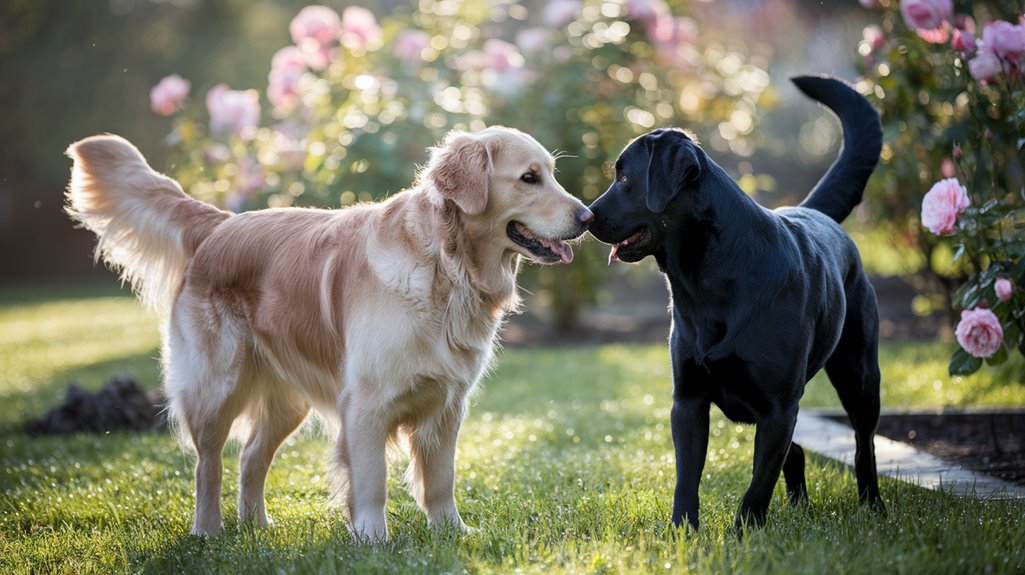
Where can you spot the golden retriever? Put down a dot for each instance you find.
(381, 317)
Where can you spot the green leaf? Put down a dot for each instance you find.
(963, 364)
(999, 357)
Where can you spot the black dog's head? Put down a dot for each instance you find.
(651, 174)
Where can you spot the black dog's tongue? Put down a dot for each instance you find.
(612, 254)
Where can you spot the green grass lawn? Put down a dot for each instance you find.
(565, 466)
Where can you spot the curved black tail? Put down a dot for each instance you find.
(841, 188)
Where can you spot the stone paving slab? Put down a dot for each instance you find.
(900, 460)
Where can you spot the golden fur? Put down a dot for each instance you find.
(381, 317)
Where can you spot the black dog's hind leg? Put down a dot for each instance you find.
(793, 474)
(772, 442)
(689, 420)
(853, 370)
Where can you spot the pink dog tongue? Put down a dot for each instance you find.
(566, 252)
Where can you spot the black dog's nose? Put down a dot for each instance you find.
(585, 216)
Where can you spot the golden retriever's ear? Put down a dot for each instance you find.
(460, 170)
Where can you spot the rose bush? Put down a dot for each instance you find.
(954, 112)
(353, 102)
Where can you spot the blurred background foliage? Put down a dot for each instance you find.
(78, 67)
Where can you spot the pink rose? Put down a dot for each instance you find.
(979, 332)
(359, 28)
(315, 30)
(287, 67)
(316, 24)
(1004, 289)
(926, 14)
(232, 111)
(502, 56)
(964, 42)
(985, 66)
(873, 36)
(410, 44)
(558, 13)
(942, 204)
(1004, 39)
(168, 93)
(947, 168)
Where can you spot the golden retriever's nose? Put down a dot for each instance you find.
(585, 217)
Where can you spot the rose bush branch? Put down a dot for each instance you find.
(971, 87)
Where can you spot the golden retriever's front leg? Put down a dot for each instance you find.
(431, 474)
(363, 453)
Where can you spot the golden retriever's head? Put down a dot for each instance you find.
(504, 183)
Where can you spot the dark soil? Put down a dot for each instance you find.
(120, 405)
(991, 442)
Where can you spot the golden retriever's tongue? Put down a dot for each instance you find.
(564, 250)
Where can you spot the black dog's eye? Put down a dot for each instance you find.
(530, 178)
(621, 178)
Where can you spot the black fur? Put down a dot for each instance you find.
(761, 300)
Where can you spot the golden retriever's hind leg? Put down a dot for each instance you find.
(202, 384)
(431, 475)
(209, 437)
(277, 418)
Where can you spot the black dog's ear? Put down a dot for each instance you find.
(672, 163)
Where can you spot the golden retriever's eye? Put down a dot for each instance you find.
(530, 178)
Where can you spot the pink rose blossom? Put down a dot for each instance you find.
(873, 36)
(1004, 289)
(926, 14)
(232, 111)
(979, 332)
(317, 24)
(315, 31)
(410, 44)
(985, 66)
(942, 204)
(558, 13)
(359, 28)
(1004, 39)
(964, 43)
(947, 168)
(286, 69)
(165, 97)
(502, 56)
(938, 36)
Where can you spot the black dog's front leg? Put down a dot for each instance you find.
(772, 441)
(689, 420)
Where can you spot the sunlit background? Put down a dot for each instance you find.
(274, 117)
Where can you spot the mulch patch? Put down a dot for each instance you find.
(120, 405)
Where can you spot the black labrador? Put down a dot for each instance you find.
(761, 300)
